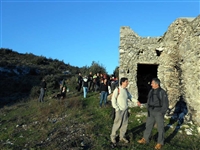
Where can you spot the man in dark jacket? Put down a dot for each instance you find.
(79, 82)
(42, 90)
(104, 92)
(157, 105)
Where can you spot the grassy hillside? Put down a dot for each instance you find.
(76, 123)
(21, 74)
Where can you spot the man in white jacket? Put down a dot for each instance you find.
(120, 103)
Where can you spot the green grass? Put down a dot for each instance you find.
(66, 124)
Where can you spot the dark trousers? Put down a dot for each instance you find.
(155, 117)
(90, 85)
(179, 117)
(93, 86)
(79, 87)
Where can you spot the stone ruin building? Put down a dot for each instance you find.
(174, 58)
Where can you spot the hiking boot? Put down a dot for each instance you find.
(158, 146)
(124, 140)
(142, 141)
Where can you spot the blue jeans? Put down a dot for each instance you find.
(85, 90)
(179, 117)
(103, 97)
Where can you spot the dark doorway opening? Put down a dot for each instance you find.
(145, 73)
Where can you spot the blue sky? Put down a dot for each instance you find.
(79, 32)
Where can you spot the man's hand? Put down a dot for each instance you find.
(138, 103)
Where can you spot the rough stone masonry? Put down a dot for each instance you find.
(177, 56)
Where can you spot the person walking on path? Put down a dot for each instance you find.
(120, 104)
(42, 91)
(157, 105)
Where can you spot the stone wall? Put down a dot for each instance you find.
(178, 62)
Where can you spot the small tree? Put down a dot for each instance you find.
(96, 67)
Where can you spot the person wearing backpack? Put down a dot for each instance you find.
(157, 105)
(120, 104)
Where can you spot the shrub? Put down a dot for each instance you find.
(34, 92)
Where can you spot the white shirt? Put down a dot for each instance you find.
(120, 98)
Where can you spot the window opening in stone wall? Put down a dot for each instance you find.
(145, 73)
(128, 71)
(158, 53)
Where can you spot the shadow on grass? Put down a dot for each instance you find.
(169, 138)
(137, 130)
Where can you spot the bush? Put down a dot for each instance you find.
(72, 83)
(35, 91)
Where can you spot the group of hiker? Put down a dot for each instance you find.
(157, 106)
(98, 82)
